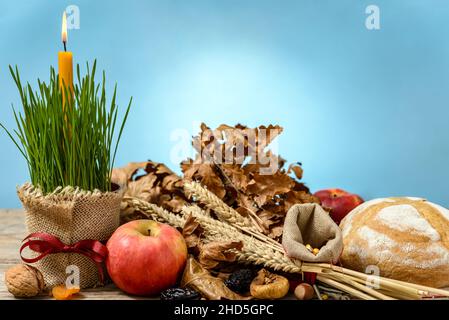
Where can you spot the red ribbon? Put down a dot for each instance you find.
(310, 277)
(46, 244)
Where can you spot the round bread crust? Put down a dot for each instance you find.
(406, 238)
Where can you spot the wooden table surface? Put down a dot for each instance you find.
(12, 231)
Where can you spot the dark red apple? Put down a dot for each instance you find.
(145, 257)
(340, 202)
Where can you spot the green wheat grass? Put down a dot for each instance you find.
(68, 139)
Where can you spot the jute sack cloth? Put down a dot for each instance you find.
(71, 215)
(310, 224)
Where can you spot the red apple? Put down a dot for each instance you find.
(145, 257)
(339, 202)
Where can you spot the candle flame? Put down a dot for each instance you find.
(64, 28)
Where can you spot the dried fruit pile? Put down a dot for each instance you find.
(238, 180)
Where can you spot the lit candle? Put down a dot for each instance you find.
(65, 65)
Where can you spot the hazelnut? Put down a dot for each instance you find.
(24, 281)
(268, 285)
(304, 291)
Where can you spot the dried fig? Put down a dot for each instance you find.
(268, 285)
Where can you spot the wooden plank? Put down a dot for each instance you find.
(12, 231)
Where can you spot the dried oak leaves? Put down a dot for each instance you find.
(210, 255)
(233, 163)
(150, 181)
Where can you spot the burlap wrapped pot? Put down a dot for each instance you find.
(71, 215)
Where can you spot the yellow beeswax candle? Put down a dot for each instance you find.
(65, 60)
(65, 67)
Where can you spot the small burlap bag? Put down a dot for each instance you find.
(310, 224)
(71, 215)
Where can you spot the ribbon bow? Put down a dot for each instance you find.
(45, 244)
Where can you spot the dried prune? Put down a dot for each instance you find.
(240, 280)
(180, 294)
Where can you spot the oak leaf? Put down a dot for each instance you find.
(211, 180)
(213, 253)
(124, 174)
(192, 232)
(210, 287)
(296, 169)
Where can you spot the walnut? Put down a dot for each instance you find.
(268, 285)
(24, 281)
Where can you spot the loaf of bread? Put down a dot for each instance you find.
(405, 238)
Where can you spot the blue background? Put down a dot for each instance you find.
(362, 110)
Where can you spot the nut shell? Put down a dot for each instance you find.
(24, 281)
(304, 291)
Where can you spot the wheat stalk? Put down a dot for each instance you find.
(204, 218)
(155, 212)
(253, 250)
(355, 284)
(346, 288)
(252, 215)
(385, 283)
(225, 212)
(211, 201)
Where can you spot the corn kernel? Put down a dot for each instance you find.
(309, 247)
(315, 251)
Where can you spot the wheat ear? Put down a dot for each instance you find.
(253, 250)
(225, 212)
(211, 201)
(155, 212)
(205, 219)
